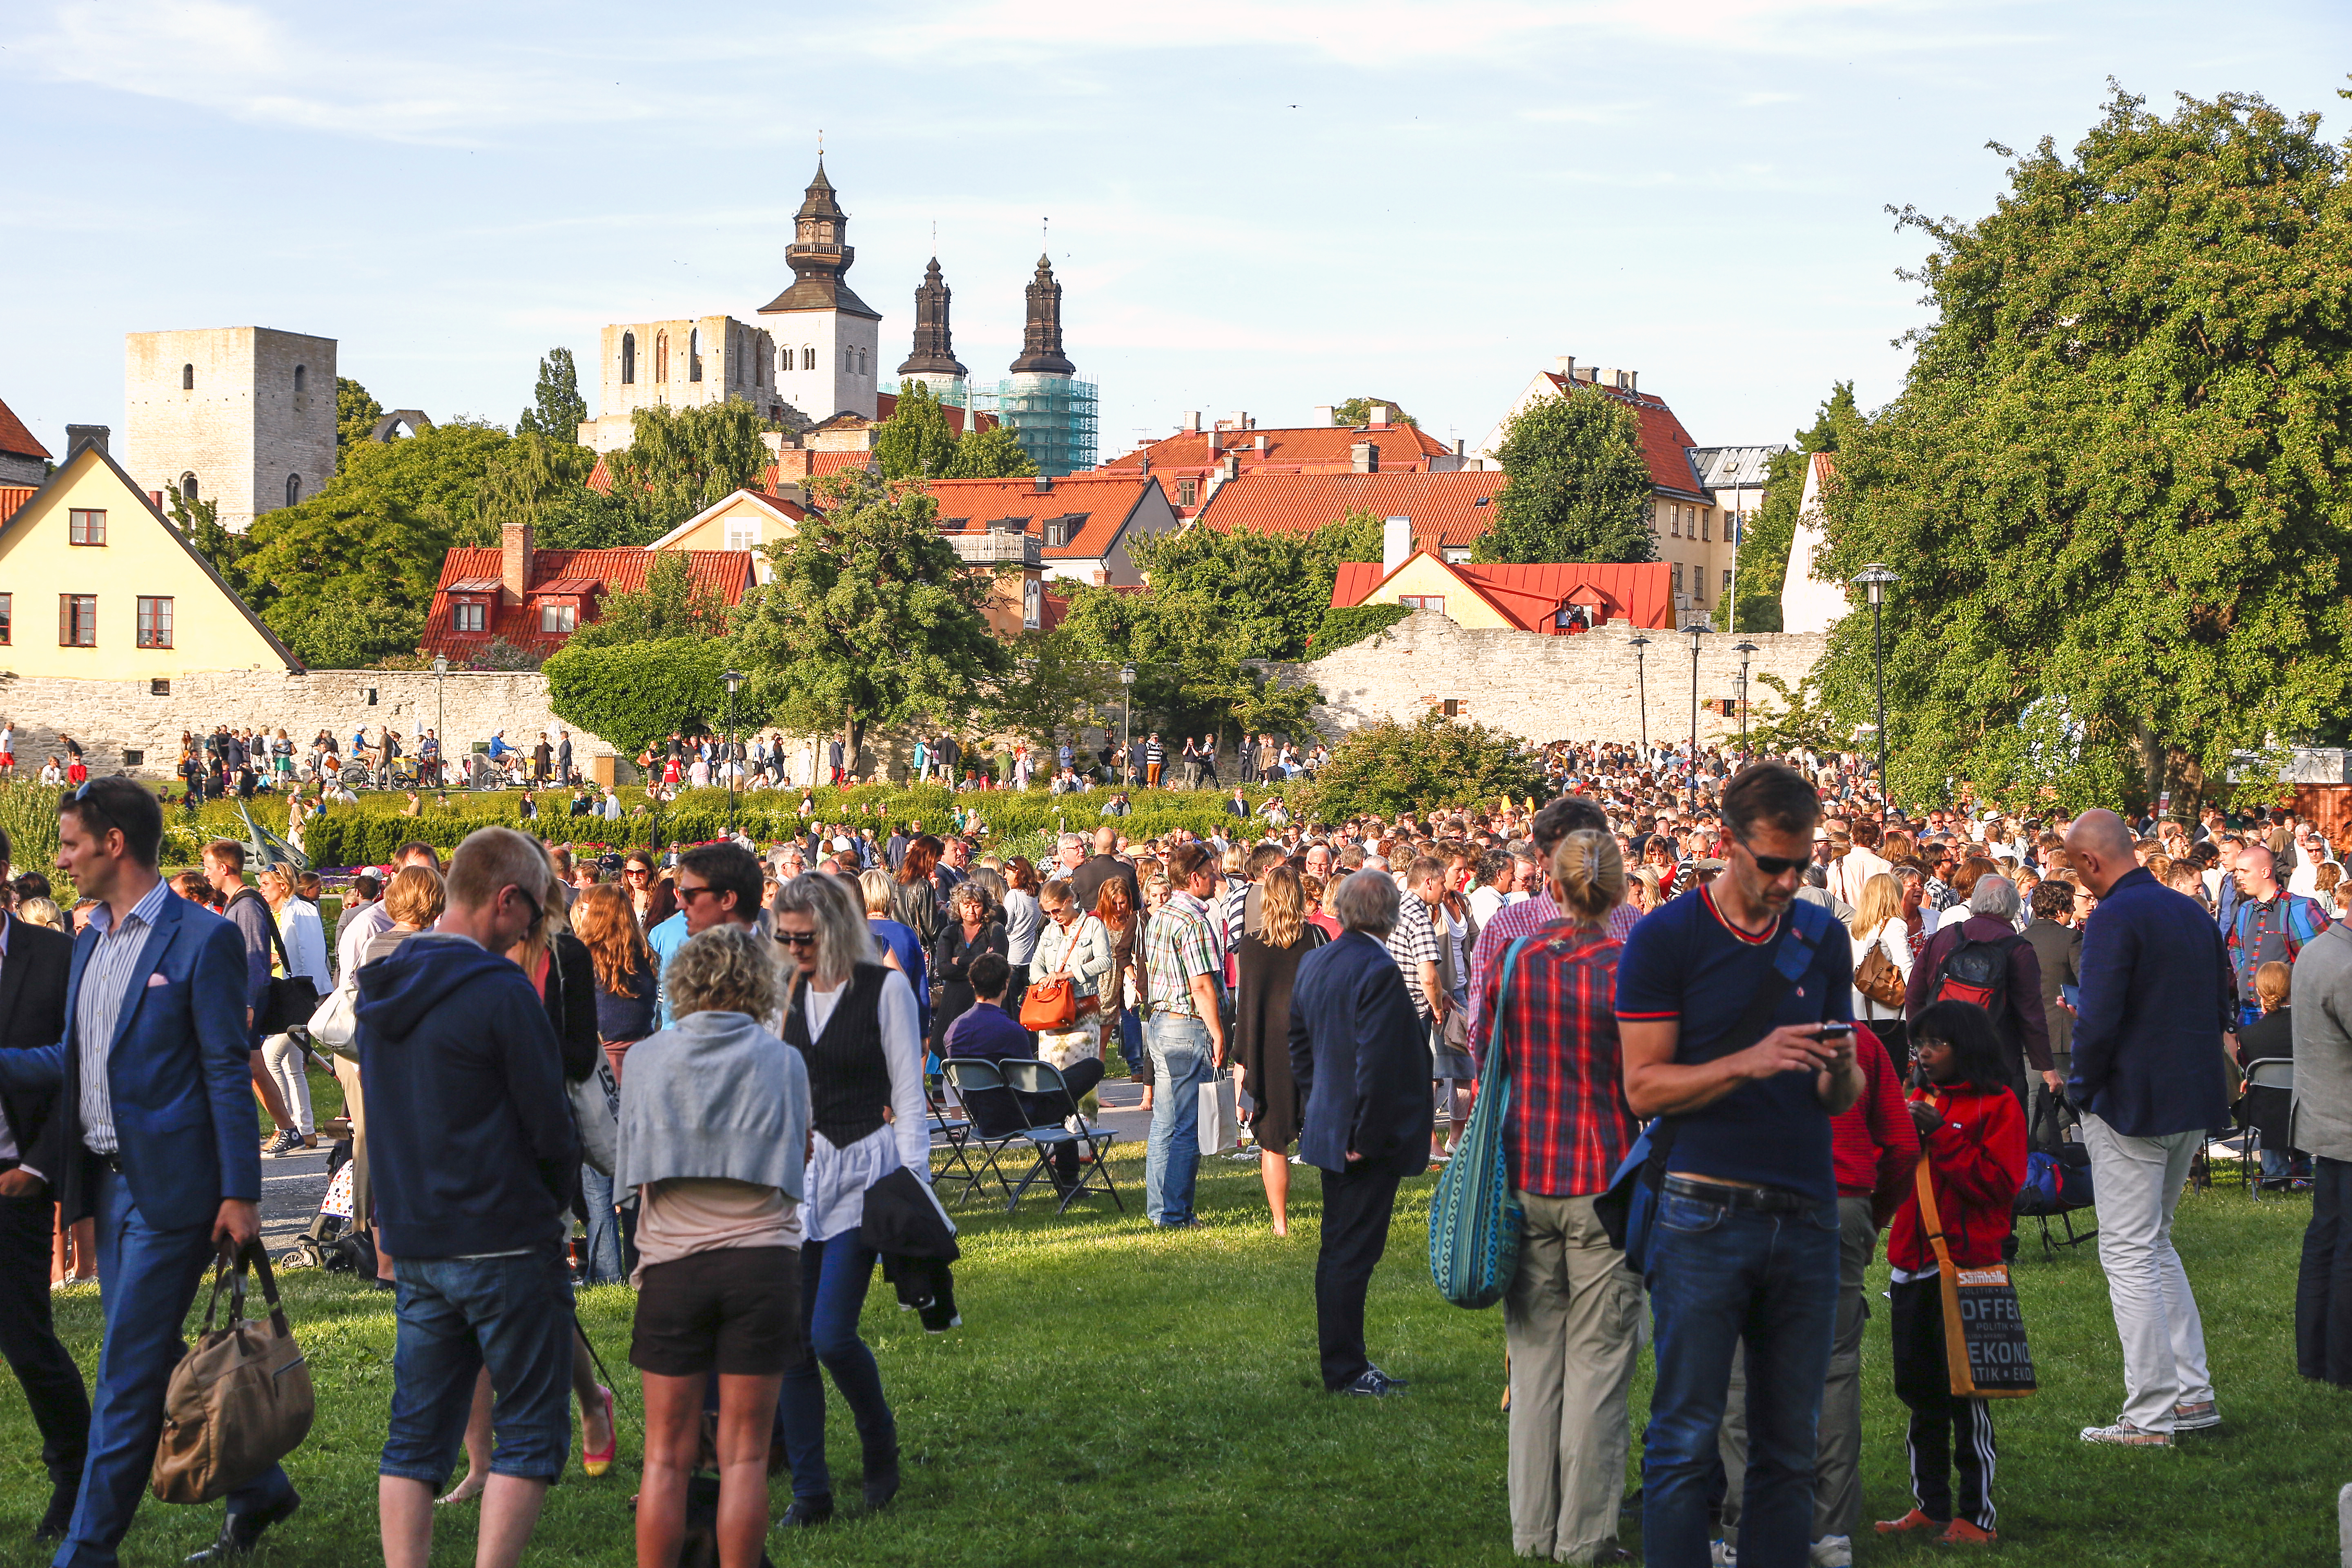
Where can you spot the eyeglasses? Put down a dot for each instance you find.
(538, 910)
(797, 938)
(637, 871)
(1772, 865)
(687, 895)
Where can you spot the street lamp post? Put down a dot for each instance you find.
(734, 680)
(1745, 650)
(1874, 580)
(1693, 631)
(1642, 694)
(1126, 722)
(440, 722)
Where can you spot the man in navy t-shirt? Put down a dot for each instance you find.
(1746, 1242)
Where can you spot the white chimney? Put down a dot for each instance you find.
(1377, 416)
(1188, 421)
(1237, 420)
(1396, 542)
(1564, 365)
(1633, 380)
(1323, 418)
(1608, 375)
(1258, 442)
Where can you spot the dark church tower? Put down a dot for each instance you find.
(1041, 343)
(934, 353)
(819, 256)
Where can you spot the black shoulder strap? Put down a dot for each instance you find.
(1788, 956)
(276, 939)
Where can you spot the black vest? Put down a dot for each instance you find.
(849, 1078)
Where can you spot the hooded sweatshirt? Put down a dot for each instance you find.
(471, 1146)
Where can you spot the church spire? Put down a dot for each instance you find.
(934, 353)
(820, 255)
(1041, 340)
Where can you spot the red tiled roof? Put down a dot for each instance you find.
(725, 573)
(1101, 502)
(14, 439)
(12, 497)
(1528, 597)
(886, 403)
(1323, 448)
(1665, 444)
(1446, 506)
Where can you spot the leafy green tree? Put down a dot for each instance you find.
(680, 461)
(869, 619)
(915, 442)
(1579, 489)
(1189, 674)
(1359, 410)
(355, 416)
(2114, 481)
(1270, 591)
(531, 477)
(584, 518)
(316, 568)
(1344, 625)
(1052, 689)
(441, 474)
(200, 522)
(1766, 537)
(669, 607)
(557, 409)
(339, 632)
(995, 453)
(635, 693)
(1435, 761)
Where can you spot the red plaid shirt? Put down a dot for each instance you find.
(1569, 1126)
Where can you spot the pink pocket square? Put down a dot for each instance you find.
(155, 980)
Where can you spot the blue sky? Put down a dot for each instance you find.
(1260, 207)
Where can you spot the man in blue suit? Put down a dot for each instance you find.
(1360, 1058)
(153, 1066)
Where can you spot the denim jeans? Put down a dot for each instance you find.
(458, 1315)
(1179, 1065)
(1130, 1043)
(1720, 1277)
(605, 1264)
(835, 1274)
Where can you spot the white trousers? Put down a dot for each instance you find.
(2139, 1181)
(283, 1061)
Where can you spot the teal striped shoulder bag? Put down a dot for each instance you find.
(1473, 1221)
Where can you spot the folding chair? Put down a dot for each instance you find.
(966, 1077)
(950, 1125)
(1044, 1082)
(2265, 1072)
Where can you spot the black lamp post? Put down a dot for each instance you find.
(734, 680)
(1745, 650)
(1642, 694)
(1126, 722)
(1874, 580)
(1693, 631)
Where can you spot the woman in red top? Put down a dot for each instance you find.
(1974, 1137)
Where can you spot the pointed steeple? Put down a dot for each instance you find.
(934, 354)
(1041, 340)
(819, 256)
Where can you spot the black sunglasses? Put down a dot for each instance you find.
(1773, 865)
(797, 938)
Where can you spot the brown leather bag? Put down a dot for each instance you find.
(1878, 978)
(239, 1402)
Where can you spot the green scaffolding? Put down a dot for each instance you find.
(1052, 417)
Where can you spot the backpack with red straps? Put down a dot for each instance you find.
(1978, 972)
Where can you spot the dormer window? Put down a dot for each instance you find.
(559, 619)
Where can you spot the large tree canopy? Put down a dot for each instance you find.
(2117, 482)
(556, 408)
(1578, 487)
(680, 461)
(1268, 591)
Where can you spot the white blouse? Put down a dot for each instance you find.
(838, 1178)
(1894, 937)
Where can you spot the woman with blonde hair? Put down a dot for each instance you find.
(1122, 988)
(1570, 1315)
(627, 987)
(305, 943)
(1879, 927)
(1268, 963)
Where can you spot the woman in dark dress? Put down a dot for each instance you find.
(1268, 963)
(972, 931)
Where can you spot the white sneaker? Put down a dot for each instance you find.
(2124, 1435)
(2201, 1417)
(1833, 1552)
(1724, 1556)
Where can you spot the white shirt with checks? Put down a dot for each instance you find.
(1413, 944)
(105, 992)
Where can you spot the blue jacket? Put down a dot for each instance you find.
(2156, 1000)
(471, 1146)
(1360, 1058)
(178, 1072)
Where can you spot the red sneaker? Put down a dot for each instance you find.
(1910, 1521)
(1963, 1533)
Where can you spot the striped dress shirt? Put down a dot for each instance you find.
(105, 992)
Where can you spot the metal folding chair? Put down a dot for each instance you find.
(950, 1125)
(2265, 1072)
(968, 1076)
(1044, 1082)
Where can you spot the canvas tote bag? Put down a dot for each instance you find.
(237, 1403)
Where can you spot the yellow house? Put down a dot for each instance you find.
(133, 599)
(744, 520)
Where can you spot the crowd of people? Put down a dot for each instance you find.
(1822, 1021)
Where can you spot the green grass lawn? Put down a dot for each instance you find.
(1121, 1395)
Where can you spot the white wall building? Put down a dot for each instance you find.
(242, 416)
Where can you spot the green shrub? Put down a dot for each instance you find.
(1390, 767)
(1346, 624)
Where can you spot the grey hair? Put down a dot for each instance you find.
(728, 969)
(1071, 841)
(1367, 901)
(1995, 896)
(843, 938)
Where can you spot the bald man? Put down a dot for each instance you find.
(2266, 925)
(2155, 1010)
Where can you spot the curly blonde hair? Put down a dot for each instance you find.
(726, 969)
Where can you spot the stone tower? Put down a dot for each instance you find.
(825, 336)
(934, 360)
(1041, 340)
(242, 416)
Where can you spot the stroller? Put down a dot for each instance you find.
(333, 1241)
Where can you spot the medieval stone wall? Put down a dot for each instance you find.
(1550, 687)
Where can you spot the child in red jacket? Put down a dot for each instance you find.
(1973, 1135)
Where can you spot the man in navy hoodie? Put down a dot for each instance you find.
(2156, 1008)
(472, 1146)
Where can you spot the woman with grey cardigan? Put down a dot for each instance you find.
(714, 1136)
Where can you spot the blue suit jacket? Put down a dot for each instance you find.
(1360, 1056)
(179, 1071)
(2157, 995)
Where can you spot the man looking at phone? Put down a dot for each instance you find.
(1744, 1043)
